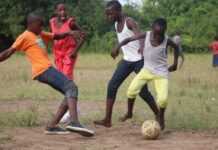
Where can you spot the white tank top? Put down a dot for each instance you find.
(130, 51)
(155, 58)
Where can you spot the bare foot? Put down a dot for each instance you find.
(103, 123)
(125, 117)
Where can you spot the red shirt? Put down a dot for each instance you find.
(66, 45)
(214, 47)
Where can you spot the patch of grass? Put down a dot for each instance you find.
(20, 118)
(5, 139)
(193, 96)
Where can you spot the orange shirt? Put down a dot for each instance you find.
(35, 46)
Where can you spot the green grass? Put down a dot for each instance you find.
(193, 96)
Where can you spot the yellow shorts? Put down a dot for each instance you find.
(160, 84)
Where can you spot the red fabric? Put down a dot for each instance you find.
(214, 47)
(62, 48)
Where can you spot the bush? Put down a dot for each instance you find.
(100, 44)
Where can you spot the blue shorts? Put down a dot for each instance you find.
(215, 60)
(59, 81)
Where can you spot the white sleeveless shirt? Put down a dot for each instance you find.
(130, 51)
(155, 58)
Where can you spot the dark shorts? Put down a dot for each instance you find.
(215, 60)
(59, 81)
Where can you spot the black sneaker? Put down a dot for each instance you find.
(78, 128)
(56, 130)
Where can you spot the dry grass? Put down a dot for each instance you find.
(193, 96)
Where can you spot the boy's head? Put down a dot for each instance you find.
(34, 23)
(113, 10)
(159, 26)
(61, 11)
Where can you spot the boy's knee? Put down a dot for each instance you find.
(162, 102)
(71, 90)
(112, 85)
(131, 94)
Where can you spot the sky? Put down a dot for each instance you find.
(132, 1)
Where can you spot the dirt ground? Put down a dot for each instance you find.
(122, 136)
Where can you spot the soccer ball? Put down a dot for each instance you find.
(150, 130)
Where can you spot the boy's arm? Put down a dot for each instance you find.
(6, 53)
(115, 51)
(132, 25)
(173, 67)
(79, 40)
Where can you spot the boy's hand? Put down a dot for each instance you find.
(73, 55)
(172, 68)
(72, 19)
(5, 54)
(75, 34)
(114, 53)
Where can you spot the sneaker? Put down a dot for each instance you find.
(56, 131)
(78, 128)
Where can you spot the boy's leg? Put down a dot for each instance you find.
(215, 60)
(145, 94)
(60, 113)
(136, 85)
(122, 72)
(129, 113)
(68, 69)
(60, 82)
(161, 88)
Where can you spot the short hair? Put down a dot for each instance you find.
(161, 22)
(114, 4)
(33, 17)
(58, 3)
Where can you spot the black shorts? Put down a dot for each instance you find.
(59, 81)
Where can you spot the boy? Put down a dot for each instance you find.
(214, 48)
(65, 50)
(32, 43)
(155, 67)
(132, 62)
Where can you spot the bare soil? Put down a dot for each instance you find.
(122, 136)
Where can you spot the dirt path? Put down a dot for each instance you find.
(122, 136)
